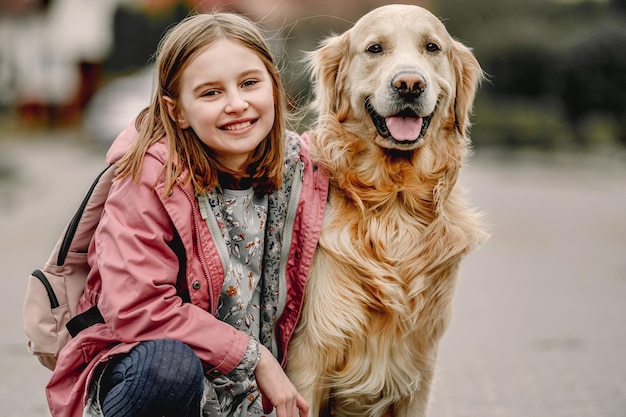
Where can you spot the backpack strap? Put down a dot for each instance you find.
(86, 218)
(83, 320)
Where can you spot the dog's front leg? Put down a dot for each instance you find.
(417, 405)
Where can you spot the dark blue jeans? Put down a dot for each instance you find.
(155, 379)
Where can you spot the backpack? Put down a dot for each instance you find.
(53, 292)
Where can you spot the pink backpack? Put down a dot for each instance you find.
(53, 292)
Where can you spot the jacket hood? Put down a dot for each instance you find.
(122, 143)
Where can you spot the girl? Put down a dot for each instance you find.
(199, 262)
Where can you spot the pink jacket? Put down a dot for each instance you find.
(136, 289)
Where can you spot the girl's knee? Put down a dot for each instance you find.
(170, 361)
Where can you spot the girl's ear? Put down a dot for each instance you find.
(174, 114)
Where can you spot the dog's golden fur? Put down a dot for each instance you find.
(380, 292)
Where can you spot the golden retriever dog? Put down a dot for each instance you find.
(393, 95)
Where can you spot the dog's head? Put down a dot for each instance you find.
(396, 75)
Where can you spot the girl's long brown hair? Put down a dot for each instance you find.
(178, 47)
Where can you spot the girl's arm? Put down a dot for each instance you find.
(139, 271)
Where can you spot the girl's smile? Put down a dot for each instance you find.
(237, 126)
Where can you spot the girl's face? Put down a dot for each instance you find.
(227, 98)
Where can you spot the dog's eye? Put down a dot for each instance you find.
(432, 47)
(375, 49)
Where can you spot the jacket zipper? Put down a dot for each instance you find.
(294, 200)
(200, 256)
(54, 302)
(218, 239)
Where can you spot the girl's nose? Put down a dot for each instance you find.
(236, 103)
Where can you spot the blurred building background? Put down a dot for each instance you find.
(557, 68)
(539, 312)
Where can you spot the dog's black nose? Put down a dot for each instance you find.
(408, 84)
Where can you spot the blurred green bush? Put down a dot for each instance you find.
(557, 71)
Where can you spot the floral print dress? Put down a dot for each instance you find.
(241, 217)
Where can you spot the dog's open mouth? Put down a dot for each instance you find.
(403, 127)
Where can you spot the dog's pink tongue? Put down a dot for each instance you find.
(404, 128)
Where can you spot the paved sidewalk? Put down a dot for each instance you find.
(52, 173)
(540, 310)
(539, 328)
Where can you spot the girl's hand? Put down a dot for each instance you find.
(276, 389)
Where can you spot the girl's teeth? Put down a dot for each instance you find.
(237, 126)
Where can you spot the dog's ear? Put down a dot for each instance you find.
(469, 75)
(327, 68)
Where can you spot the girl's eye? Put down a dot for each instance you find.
(375, 49)
(248, 83)
(210, 93)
